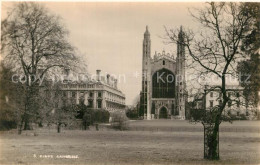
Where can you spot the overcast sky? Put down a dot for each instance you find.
(110, 35)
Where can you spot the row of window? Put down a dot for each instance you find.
(237, 94)
(211, 103)
(74, 93)
(91, 105)
(114, 96)
(81, 86)
(114, 106)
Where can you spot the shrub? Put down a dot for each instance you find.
(100, 116)
(7, 125)
(243, 117)
(119, 121)
(132, 114)
(90, 116)
(81, 110)
(86, 121)
(238, 117)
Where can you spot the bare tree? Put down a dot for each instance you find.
(216, 50)
(34, 42)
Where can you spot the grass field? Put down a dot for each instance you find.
(143, 146)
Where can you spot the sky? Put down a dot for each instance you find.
(110, 35)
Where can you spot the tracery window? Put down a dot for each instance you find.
(163, 84)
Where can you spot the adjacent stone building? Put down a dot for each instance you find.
(237, 106)
(163, 92)
(99, 93)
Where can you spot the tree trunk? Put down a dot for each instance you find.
(26, 111)
(258, 105)
(27, 125)
(20, 126)
(97, 129)
(85, 125)
(211, 142)
(31, 106)
(58, 127)
(40, 124)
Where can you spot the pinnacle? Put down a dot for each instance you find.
(146, 31)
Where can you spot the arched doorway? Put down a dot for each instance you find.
(163, 113)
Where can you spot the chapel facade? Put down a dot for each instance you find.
(163, 92)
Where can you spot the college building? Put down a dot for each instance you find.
(163, 92)
(236, 106)
(99, 93)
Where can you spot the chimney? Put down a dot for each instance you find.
(98, 75)
(116, 83)
(67, 71)
(108, 79)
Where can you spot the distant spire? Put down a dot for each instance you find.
(147, 31)
(180, 35)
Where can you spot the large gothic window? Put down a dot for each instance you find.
(163, 84)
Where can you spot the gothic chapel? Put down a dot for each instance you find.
(163, 92)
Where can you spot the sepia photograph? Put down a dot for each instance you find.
(130, 82)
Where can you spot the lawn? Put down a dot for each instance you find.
(152, 144)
